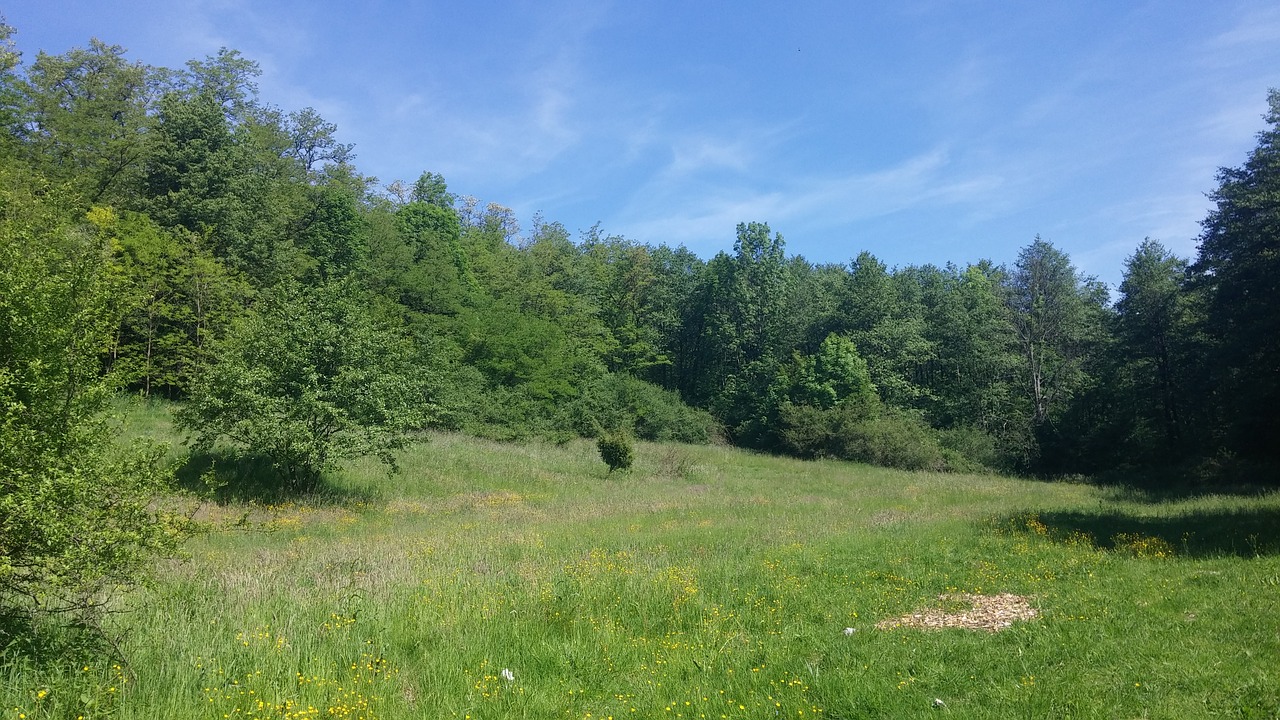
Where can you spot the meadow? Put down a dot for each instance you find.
(491, 580)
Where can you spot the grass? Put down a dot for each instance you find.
(494, 580)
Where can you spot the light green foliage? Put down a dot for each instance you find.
(172, 297)
(77, 517)
(835, 374)
(309, 377)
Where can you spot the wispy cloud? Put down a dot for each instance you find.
(806, 204)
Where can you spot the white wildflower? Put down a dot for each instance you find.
(508, 675)
(850, 631)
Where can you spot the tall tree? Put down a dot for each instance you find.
(1152, 328)
(1057, 315)
(88, 112)
(1238, 269)
(884, 317)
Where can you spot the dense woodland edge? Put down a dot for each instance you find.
(166, 233)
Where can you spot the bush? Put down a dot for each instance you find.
(864, 431)
(894, 438)
(969, 449)
(78, 515)
(616, 451)
(306, 378)
(646, 410)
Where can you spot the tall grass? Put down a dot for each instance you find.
(493, 580)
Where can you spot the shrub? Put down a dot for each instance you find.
(893, 438)
(78, 517)
(969, 449)
(309, 377)
(616, 451)
(646, 410)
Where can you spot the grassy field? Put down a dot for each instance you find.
(523, 581)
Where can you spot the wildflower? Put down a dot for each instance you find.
(508, 675)
(937, 702)
(850, 631)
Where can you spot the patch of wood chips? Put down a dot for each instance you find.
(991, 613)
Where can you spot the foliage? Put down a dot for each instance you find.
(1153, 324)
(645, 410)
(615, 450)
(210, 195)
(309, 377)
(77, 513)
(1238, 272)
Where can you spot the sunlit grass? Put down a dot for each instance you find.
(496, 581)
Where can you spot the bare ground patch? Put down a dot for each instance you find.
(990, 613)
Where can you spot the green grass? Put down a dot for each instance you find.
(705, 582)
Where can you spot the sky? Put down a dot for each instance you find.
(923, 131)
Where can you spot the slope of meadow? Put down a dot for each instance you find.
(523, 581)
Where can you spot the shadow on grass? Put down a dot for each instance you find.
(1250, 532)
(227, 476)
(1242, 478)
(49, 643)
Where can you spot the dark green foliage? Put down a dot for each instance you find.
(645, 410)
(616, 451)
(332, 232)
(1153, 333)
(882, 315)
(1238, 273)
(1058, 316)
(866, 433)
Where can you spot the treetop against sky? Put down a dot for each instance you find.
(924, 132)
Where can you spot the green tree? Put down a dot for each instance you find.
(313, 142)
(1057, 315)
(88, 119)
(78, 514)
(1152, 321)
(975, 376)
(171, 297)
(430, 188)
(884, 318)
(307, 377)
(1238, 271)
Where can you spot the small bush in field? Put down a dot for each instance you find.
(616, 451)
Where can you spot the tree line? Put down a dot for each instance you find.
(236, 260)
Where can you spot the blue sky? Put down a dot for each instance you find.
(921, 130)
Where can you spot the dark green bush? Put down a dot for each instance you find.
(969, 449)
(615, 450)
(894, 438)
(646, 410)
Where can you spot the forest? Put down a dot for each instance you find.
(167, 233)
